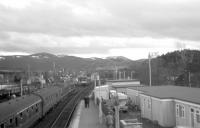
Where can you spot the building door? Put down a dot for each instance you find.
(192, 117)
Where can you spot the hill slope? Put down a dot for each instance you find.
(46, 61)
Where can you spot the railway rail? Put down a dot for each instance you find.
(62, 113)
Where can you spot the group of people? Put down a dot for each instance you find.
(109, 117)
(87, 101)
(109, 120)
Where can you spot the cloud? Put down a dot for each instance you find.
(97, 27)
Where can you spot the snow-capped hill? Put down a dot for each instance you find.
(118, 58)
(37, 57)
(18, 56)
(42, 55)
(61, 56)
(2, 58)
(94, 58)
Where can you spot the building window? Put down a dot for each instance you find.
(180, 111)
(197, 116)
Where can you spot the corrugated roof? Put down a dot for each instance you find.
(171, 92)
(15, 105)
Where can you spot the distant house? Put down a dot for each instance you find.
(169, 106)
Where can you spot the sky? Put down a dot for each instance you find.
(98, 28)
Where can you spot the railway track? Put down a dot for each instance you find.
(60, 116)
(46, 121)
(64, 117)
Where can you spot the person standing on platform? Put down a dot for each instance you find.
(109, 120)
(88, 101)
(85, 100)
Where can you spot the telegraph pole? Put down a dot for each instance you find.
(149, 70)
(21, 88)
(29, 80)
(132, 74)
(54, 72)
(124, 75)
(119, 75)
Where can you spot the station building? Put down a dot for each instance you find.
(169, 106)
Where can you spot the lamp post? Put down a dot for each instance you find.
(116, 106)
(124, 75)
(95, 84)
(100, 107)
(132, 74)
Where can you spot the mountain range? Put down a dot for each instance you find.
(174, 68)
(47, 61)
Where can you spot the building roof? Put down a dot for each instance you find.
(11, 71)
(126, 86)
(13, 106)
(171, 92)
(121, 80)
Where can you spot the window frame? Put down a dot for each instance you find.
(180, 110)
(197, 112)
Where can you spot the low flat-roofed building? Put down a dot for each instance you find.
(123, 82)
(168, 105)
(121, 85)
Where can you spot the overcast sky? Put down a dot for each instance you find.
(99, 28)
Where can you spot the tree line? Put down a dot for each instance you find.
(180, 68)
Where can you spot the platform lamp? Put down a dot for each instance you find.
(100, 107)
(116, 106)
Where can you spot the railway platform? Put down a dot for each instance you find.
(87, 117)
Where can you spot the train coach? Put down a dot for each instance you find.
(23, 111)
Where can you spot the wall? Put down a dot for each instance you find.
(145, 110)
(158, 110)
(186, 120)
(164, 112)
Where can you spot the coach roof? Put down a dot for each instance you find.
(16, 105)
